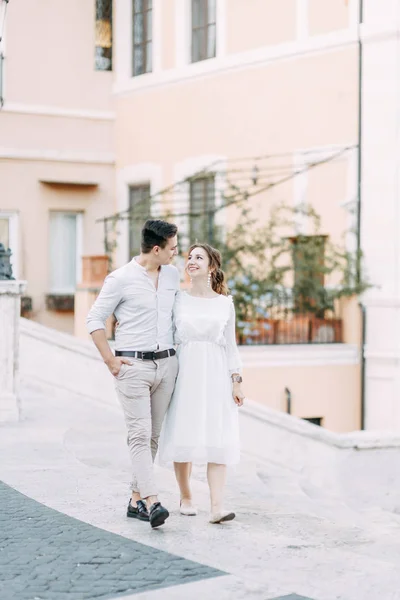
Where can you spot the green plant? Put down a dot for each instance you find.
(270, 268)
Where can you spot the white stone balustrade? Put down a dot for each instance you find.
(10, 307)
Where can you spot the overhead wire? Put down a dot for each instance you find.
(175, 190)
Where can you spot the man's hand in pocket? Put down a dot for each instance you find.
(115, 363)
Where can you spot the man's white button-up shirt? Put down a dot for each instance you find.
(144, 313)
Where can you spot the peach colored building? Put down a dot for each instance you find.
(214, 84)
(195, 84)
(56, 148)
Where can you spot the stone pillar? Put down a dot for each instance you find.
(10, 308)
(380, 210)
(94, 271)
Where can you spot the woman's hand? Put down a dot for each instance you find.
(237, 394)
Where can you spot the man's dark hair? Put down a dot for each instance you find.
(156, 233)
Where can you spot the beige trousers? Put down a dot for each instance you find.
(144, 391)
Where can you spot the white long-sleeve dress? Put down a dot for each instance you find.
(202, 423)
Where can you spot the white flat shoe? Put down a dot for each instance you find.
(222, 517)
(188, 511)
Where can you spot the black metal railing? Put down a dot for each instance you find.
(279, 319)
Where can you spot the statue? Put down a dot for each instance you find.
(5, 265)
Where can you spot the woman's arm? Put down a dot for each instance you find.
(234, 360)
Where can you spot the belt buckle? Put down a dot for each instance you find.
(154, 355)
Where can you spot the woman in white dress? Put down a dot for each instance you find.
(201, 424)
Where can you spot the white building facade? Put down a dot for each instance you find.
(380, 209)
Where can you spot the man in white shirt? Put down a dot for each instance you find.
(141, 295)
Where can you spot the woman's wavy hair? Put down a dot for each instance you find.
(218, 282)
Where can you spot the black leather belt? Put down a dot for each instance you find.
(146, 355)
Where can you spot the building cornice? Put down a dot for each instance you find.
(300, 355)
(57, 111)
(56, 156)
(258, 57)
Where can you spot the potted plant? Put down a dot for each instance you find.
(286, 287)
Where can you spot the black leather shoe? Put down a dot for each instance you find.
(158, 514)
(137, 512)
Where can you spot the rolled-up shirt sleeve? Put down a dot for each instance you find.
(105, 304)
(232, 352)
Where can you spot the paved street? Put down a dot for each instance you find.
(45, 555)
(290, 540)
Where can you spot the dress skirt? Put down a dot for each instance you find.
(202, 422)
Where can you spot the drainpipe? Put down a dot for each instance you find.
(362, 371)
(3, 11)
(359, 197)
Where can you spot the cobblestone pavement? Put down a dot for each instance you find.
(47, 555)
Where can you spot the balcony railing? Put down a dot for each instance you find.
(281, 322)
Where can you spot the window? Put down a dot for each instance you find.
(203, 29)
(202, 207)
(139, 206)
(309, 270)
(64, 251)
(142, 36)
(4, 231)
(309, 258)
(103, 34)
(9, 237)
(314, 420)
